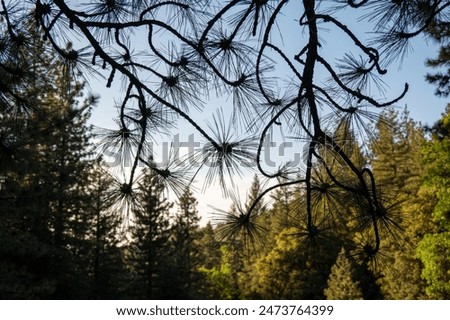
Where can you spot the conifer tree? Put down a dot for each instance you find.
(341, 283)
(255, 192)
(397, 161)
(434, 249)
(280, 212)
(396, 152)
(47, 136)
(255, 203)
(185, 250)
(150, 240)
(278, 273)
(64, 168)
(210, 258)
(107, 261)
(221, 280)
(209, 247)
(439, 32)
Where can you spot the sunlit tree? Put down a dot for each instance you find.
(341, 285)
(434, 249)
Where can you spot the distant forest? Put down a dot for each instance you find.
(66, 233)
(71, 228)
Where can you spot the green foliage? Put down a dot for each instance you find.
(437, 159)
(209, 247)
(434, 252)
(185, 249)
(150, 235)
(293, 269)
(221, 283)
(434, 248)
(439, 31)
(397, 139)
(107, 257)
(278, 276)
(341, 285)
(256, 189)
(280, 215)
(45, 150)
(397, 161)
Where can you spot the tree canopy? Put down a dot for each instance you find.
(171, 61)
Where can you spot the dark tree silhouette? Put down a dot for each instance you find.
(440, 32)
(150, 239)
(173, 56)
(44, 147)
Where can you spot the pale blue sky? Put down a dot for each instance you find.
(423, 105)
(421, 101)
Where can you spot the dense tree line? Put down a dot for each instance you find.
(63, 235)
